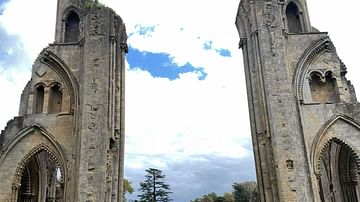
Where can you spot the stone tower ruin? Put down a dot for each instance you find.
(305, 118)
(67, 144)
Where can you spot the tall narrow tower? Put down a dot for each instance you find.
(67, 144)
(305, 118)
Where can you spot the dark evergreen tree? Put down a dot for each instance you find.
(154, 188)
(243, 191)
(240, 193)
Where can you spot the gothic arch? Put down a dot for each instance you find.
(310, 55)
(39, 84)
(54, 84)
(55, 98)
(71, 13)
(16, 184)
(50, 147)
(55, 63)
(72, 28)
(335, 161)
(298, 3)
(69, 10)
(323, 87)
(327, 143)
(338, 173)
(39, 90)
(295, 21)
(242, 22)
(323, 139)
(17, 138)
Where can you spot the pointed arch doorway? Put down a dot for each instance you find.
(39, 178)
(339, 173)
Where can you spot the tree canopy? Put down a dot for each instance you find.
(242, 192)
(128, 188)
(154, 188)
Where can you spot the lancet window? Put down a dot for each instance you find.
(39, 99)
(294, 18)
(72, 29)
(55, 99)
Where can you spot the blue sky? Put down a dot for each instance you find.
(160, 65)
(185, 86)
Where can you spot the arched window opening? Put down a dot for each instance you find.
(293, 17)
(55, 99)
(29, 189)
(338, 179)
(39, 99)
(41, 180)
(72, 30)
(323, 88)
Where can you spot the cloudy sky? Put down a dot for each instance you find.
(186, 107)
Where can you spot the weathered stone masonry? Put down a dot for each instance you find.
(304, 115)
(67, 144)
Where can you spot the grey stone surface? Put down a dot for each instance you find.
(70, 128)
(301, 105)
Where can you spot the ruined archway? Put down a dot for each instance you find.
(338, 173)
(39, 177)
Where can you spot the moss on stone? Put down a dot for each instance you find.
(93, 4)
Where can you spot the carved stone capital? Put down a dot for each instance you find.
(82, 42)
(15, 186)
(124, 47)
(242, 42)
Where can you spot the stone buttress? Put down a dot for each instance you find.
(67, 144)
(304, 116)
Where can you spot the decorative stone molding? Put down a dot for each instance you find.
(321, 141)
(51, 60)
(320, 155)
(19, 170)
(243, 42)
(308, 57)
(321, 74)
(124, 47)
(17, 138)
(53, 149)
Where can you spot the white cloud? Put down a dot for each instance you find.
(30, 26)
(186, 117)
(200, 117)
(12, 82)
(33, 21)
(192, 178)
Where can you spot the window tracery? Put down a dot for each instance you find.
(323, 87)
